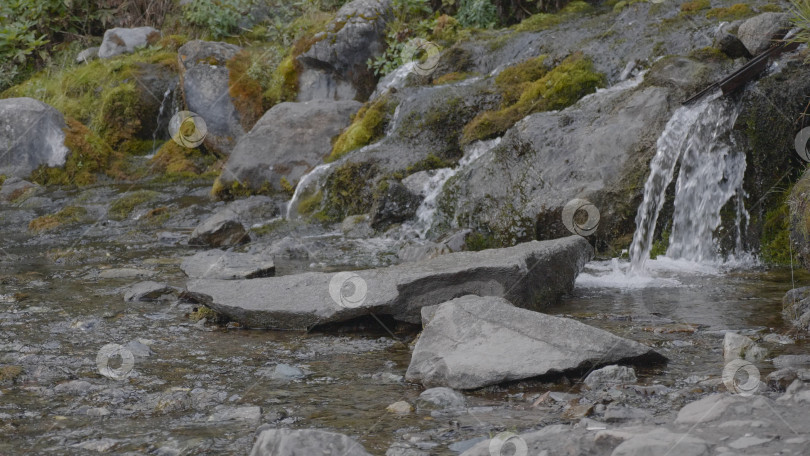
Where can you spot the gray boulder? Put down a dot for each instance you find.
(610, 375)
(442, 397)
(661, 441)
(473, 341)
(205, 82)
(87, 55)
(335, 65)
(148, 291)
(125, 40)
(758, 33)
(396, 205)
(530, 275)
(31, 135)
(294, 442)
(220, 230)
(288, 141)
(218, 264)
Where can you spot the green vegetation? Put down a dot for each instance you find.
(220, 17)
(800, 11)
(68, 215)
(478, 241)
(522, 95)
(731, 13)
(477, 14)
(695, 6)
(542, 21)
(430, 162)
(774, 242)
(123, 206)
(89, 155)
(177, 163)
(210, 315)
(348, 191)
(367, 127)
(660, 246)
(311, 203)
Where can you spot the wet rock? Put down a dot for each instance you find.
(293, 442)
(738, 346)
(288, 141)
(74, 388)
(220, 230)
(87, 55)
(396, 205)
(443, 398)
(400, 408)
(530, 275)
(731, 46)
(15, 189)
(356, 226)
(125, 273)
(335, 66)
(715, 406)
(660, 441)
(126, 40)
(249, 413)
(287, 372)
(139, 349)
(778, 339)
(577, 411)
(149, 291)
(205, 83)
(610, 375)
(99, 445)
(31, 136)
(748, 441)
(493, 342)
(791, 361)
(403, 449)
(758, 32)
(218, 264)
(796, 305)
(615, 413)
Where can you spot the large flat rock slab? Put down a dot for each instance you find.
(219, 264)
(474, 341)
(529, 275)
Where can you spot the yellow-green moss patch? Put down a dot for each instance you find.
(123, 206)
(311, 203)
(246, 92)
(695, 6)
(561, 87)
(368, 126)
(210, 315)
(731, 13)
(542, 21)
(10, 373)
(175, 162)
(67, 216)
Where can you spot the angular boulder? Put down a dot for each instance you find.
(218, 264)
(335, 65)
(474, 341)
(206, 83)
(294, 442)
(125, 40)
(288, 141)
(530, 275)
(219, 230)
(31, 135)
(759, 32)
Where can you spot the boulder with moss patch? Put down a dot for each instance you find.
(30, 136)
(126, 40)
(335, 65)
(289, 140)
(206, 87)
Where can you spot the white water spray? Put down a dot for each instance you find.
(307, 185)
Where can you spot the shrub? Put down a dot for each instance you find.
(801, 18)
(477, 13)
(220, 17)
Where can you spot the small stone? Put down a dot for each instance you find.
(287, 372)
(249, 413)
(400, 408)
(739, 346)
(610, 375)
(748, 441)
(617, 413)
(442, 397)
(148, 291)
(577, 411)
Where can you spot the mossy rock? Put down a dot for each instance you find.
(67, 216)
(88, 156)
(245, 92)
(731, 13)
(368, 126)
(174, 162)
(349, 191)
(121, 208)
(694, 6)
(542, 21)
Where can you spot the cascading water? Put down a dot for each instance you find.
(711, 173)
(308, 185)
(160, 114)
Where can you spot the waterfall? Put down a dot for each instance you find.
(711, 173)
(307, 185)
(160, 114)
(433, 187)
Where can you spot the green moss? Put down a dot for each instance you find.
(284, 84)
(157, 216)
(478, 241)
(367, 126)
(542, 21)
(89, 155)
(119, 115)
(514, 80)
(775, 239)
(177, 163)
(454, 76)
(348, 191)
(67, 216)
(210, 315)
(694, 6)
(123, 206)
(10, 373)
(561, 87)
(619, 6)
(770, 8)
(731, 13)
(430, 162)
(708, 54)
(269, 227)
(311, 203)
(660, 246)
(238, 189)
(286, 186)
